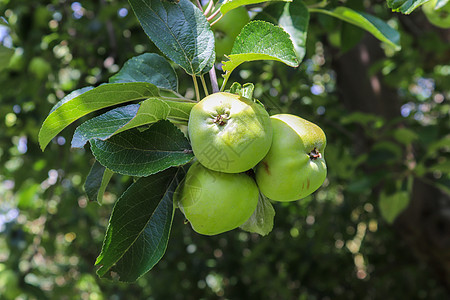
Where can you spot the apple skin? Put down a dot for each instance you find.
(295, 165)
(227, 29)
(439, 17)
(229, 133)
(215, 202)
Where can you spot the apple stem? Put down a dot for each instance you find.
(212, 72)
(205, 88)
(213, 78)
(199, 5)
(197, 92)
(209, 7)
(218, 19)
(213, 15)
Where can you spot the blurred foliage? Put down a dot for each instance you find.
(332, 245)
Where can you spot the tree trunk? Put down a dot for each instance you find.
(425, 224)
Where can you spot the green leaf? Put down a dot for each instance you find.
(139, 227)
(180, 31)
(226, 7)
(434, 147)
(235, 88)
(380, 29)
(105, 125)
(293, 18)
(361, 118)
(144, 153)
(126, 117)
(350, 36)
(405, 6)
(443, 167)
(120, 119)
(392, 205)
(405, 136)
(385, 152)
(81, 102)
(442, 183)
(261, 221)
(247, 91)
(96, 182)
(150, 111)
(27, 195)
(5, 56)
(71, 96)
(148, 67)
(260, 40)
(179, 110)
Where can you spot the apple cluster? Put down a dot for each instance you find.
(241, 151)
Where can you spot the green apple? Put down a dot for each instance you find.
(229, 133)
(215, 202)
(295, 165)
(227, 29)
(438, 17)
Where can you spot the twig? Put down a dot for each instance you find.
(197, 92)
(218, 19)
(209, 7)
(205, 88)
(213, 15)
(199, 5)
(213, 78)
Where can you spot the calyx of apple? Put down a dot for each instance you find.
(229, 133)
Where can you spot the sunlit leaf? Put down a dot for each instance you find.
(87, 100)
(380, 29)
(405, 6)
(260, 40)
(180, 31)
(293, 18)
(130, 116)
